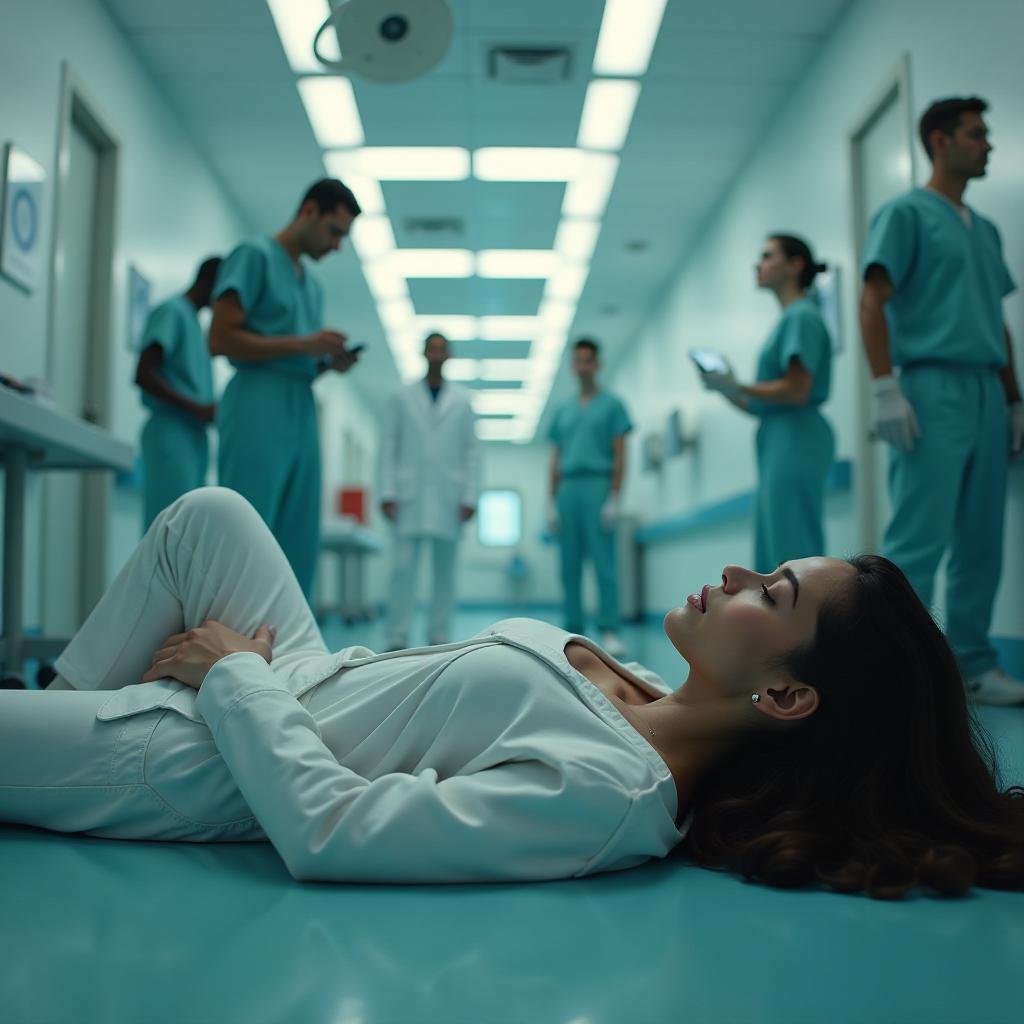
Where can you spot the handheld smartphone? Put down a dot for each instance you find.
(709, 361)
(357, 347)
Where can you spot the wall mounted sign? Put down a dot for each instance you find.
(21, 240)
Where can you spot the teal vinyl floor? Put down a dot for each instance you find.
(111, 932)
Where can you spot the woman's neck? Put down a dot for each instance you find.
(693, 728)
(788, 293)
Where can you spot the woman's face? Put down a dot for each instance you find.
(731, 633)
(773, 268)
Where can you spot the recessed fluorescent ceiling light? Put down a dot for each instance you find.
(515, 262)
(508, 328)
(607, 113)
(575, 239)
(500, 402)
(372, 236)
(454, 326)
(331, 107)
(366, 190)
(396, 314)
(504, 369)
(628, 31)
(567, 282)
(411, 163)
(431, 262)
(587, 195)
(383, 282)
(556, 314)
(461, 369)
(297, 22)
(523, 163)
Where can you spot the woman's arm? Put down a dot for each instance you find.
(793, 389)
(517, 821)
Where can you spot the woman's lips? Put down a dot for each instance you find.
(700, 601)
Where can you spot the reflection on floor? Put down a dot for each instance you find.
(175, 933)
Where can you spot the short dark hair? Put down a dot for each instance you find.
(944, 116)
(795, 248)
(433, 334)
(329, 194)
(207, 271)
(587, 343)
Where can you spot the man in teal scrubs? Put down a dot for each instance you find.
(931, 306)
(589, 434)
(177, 387)
(268, 320)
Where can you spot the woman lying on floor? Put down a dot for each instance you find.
(822, 735)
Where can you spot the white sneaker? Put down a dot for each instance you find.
(612, 644)
(995, 687)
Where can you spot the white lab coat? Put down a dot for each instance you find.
(430, 459)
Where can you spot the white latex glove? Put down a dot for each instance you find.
(724, 383)
(893, 418)
(610, 512)
(554, 523)
(1016, 428)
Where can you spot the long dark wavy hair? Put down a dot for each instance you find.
(890, 784)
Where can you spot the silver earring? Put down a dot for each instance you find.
(755, 697)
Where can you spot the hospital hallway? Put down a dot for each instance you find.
(684, 339)
(103, 930)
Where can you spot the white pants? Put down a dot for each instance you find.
(403, 589)
(154, 774)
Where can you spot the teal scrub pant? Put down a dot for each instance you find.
(579, 500)
(270, 454)
(794, 453)
(175, 453)
(949, 490)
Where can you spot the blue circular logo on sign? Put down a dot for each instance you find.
(24, 219)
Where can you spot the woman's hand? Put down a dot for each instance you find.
(189, 656)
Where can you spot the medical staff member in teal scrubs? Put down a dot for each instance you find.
(268, 320)
(931, 308)
(587, 467)
(795, 444)
(176, 380)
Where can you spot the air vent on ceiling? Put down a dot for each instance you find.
(529, 65)
(435, 227)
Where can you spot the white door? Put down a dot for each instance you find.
(883, 170)
(64, 502)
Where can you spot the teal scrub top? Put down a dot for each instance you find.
(277, 300)
(800, 333)
(174, 326)
(584, 433)
(948, 281)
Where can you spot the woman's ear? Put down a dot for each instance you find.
(787, 701)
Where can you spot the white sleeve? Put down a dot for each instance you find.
(517, 821)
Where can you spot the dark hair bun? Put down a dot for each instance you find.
(821, 267)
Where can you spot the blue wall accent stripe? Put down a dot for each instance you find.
(739, 506)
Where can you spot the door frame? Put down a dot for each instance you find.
(894, 88)
(78, 108)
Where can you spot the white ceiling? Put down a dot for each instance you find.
(716, 76)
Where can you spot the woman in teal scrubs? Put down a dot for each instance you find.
(795, 444)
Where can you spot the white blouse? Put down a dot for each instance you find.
(487, 760)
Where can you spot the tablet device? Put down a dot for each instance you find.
(709, 361)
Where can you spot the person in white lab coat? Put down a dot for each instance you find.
(429, 487)
(821, 736)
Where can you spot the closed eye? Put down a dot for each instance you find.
(765, 595)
